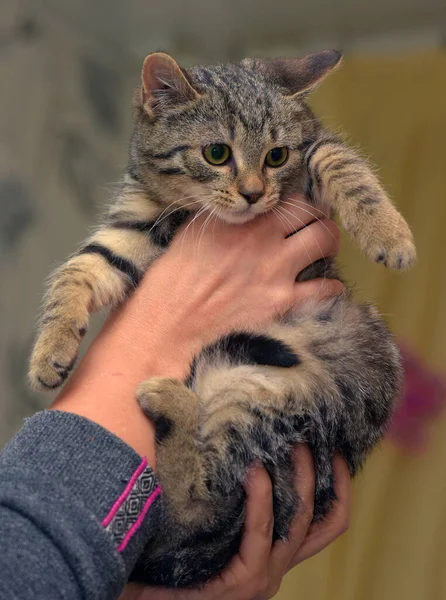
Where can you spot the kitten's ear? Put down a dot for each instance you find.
(164, 84)
(301, 75)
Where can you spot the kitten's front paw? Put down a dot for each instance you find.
(54, 355)
(394, 253)
(392, 243)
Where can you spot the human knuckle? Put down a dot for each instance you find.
(255, 588)
(283, 297)
(339, 524)
(231, 578)
(307, 512)
(335, 234)
(262, 583)
(272, 590)
(334, 287)
(266, 527)
(344, 522)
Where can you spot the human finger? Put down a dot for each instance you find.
(320, 239)
(284, 551)
(336, 523)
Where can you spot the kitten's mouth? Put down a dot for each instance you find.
(242, 216)
(238, 217)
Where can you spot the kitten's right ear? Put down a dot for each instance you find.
(164, 84)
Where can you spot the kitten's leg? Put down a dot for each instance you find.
(107, 267)
(174, 409)
(101, 274)
(342, 179)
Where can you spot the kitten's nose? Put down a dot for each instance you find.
(251, 197)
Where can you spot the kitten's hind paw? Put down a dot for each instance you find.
(167, 401)
(173, 408)
(54, 355)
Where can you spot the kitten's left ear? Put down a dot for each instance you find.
(164, 84)
(300, 75)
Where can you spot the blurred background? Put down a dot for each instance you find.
(67, 70)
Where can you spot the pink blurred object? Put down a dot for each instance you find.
(424, 396)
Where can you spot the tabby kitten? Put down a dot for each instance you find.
(239, 139)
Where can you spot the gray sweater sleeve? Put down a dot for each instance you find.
(77, 507)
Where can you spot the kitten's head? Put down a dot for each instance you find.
(224, 137)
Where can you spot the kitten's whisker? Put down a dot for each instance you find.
(217, 216)
(295, 201)
(203, 227)
(161, 218)
(303, 225)
(283, 219)
(322, 283)
(325, 206)
(277, 213)
(164, 211)
(309, 212)
(225, 199)
(157, 219)
(182, 237)
(307, 205)
(200, 231)
(313, 215)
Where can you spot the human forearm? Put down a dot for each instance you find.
(62, 477)
(103, 387)
(142, 340)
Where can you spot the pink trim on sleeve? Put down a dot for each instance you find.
(134, 528)
(114, 509)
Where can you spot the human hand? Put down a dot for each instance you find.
(256, 572)
(215, 279)
(210, 281)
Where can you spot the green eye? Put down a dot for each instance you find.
(276, 157)
(217, 154)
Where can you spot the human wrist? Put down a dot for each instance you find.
(103, 387)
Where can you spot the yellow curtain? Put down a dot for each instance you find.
(394, 108)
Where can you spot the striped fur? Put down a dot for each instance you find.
(326, 374)
(335, 391)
